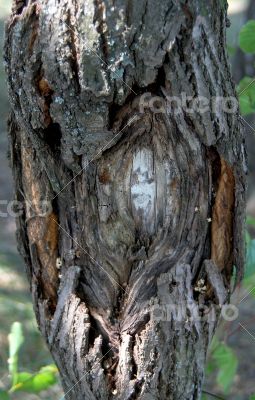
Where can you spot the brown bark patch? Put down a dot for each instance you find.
(45, 92)
(42, 228)
(35, 10)
(104, 176)
(222, 220)
(44, 87)
(43, 234)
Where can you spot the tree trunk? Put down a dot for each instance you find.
(132, 261)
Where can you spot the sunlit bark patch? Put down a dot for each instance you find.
(143, 190)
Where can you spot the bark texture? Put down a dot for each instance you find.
(147, 234)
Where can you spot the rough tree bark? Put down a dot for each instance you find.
(146, 236)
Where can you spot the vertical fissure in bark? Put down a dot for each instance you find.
(52, 136)
(18, 6)
(100, 20)
(74, 54)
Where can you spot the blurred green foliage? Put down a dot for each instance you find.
(246, 91)
(222, 359)
(25, 381)
(247, 37)
(246, 87)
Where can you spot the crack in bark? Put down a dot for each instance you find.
(74, 57)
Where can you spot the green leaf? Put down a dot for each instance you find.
(227, 364)
(50, 368)
(246, 90)
(35, 383)
(4, 395)
(252, 397)
(16, 340)
(247, 37)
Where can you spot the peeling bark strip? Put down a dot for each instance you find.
(126, 261)
(222, 220)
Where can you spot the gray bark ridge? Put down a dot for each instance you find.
(131, 266)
